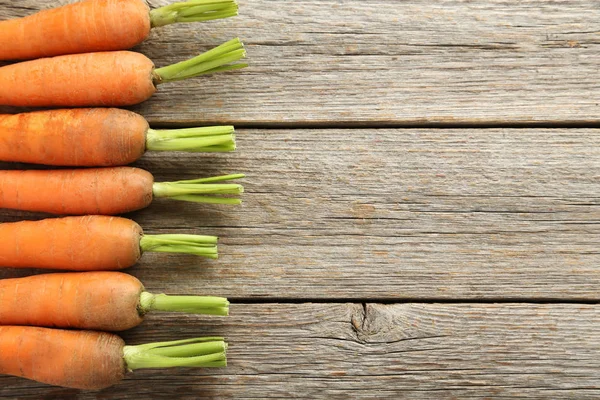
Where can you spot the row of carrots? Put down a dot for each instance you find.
(76, 58)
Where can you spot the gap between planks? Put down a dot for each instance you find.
(360, 125)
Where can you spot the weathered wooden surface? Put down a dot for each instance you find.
(413, 351)
(397, 215)
(385, 62)
(390, 214)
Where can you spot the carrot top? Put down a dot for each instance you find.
(215, 60)
(209, 305)
(180, 243)
(198, 352)
(201, 190)
(206, 139)
(193, 11)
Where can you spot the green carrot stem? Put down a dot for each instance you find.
(208, 305)
(215, 60)
(199, 352)
(193, 11)
(205, 190)
(207, 139)
(205, 246)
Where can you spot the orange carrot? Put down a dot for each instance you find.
(116, 78)
(105, 301)
(90, 243)
(98, 25)
(98, 137)
(95, 360)
(104, 191)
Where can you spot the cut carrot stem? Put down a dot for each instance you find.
(206, 139)
(180, 243)
(208, 305)
(200, 352)
(193, 11)
(215, 60)
(201, 190)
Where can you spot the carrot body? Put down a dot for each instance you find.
(105, 191)
(117, 78)
(78, 137)
(75, 243)
(77, 359)
(86, 26)
(106, 301)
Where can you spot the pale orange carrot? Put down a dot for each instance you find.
(98, 137)
(104, 301)
(98, 25)
(90, 243)
(95, 360)
(104, 191)
(115, 78)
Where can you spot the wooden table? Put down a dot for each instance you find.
(422, 206)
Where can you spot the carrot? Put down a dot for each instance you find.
(90, 243)
(98, 25)
(98, 137)
(116, 78)
(104, 191)
(96, 360)
(105, 301)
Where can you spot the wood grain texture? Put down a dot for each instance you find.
(361, 62)
(388, 214)
(412, 351)
(366, 215)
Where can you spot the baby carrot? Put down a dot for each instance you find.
(98, 137)
(95, 360)
(90, 243)
(98, 25)
(104, 301)
(104, 191)
(115, 78)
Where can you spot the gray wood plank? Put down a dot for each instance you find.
(389, 214)
(416, 351)
(363, 62)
